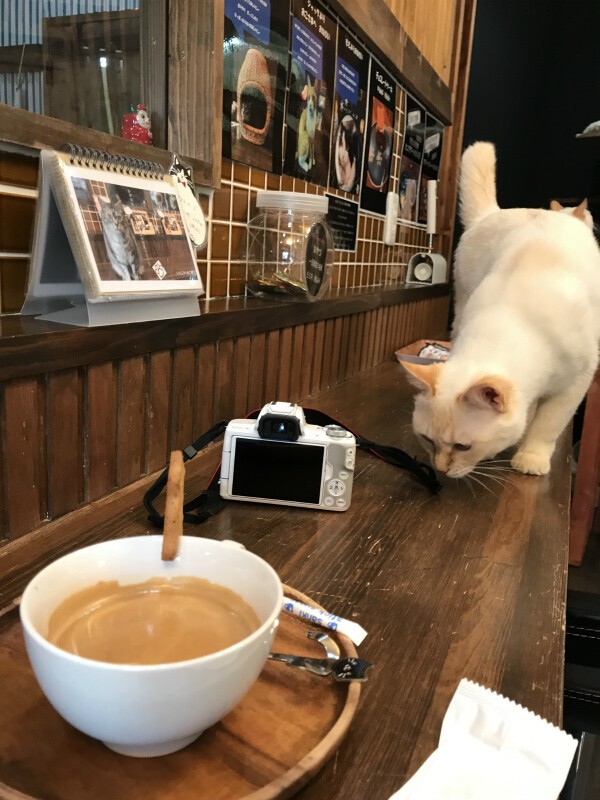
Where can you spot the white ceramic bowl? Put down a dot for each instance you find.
(157, 709)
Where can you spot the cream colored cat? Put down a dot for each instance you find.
(526, 331)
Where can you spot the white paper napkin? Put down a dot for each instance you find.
(490, 748)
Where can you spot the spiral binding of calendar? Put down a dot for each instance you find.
(124, 165)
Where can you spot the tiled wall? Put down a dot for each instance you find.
(228, 210)
(224, 268)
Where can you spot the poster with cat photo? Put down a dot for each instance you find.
(379, 139)
(412, 158)
(126, 233)
(311, 82)
(255, 54)
(349, 111)
(432, 152)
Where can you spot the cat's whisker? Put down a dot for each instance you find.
(482, 484)
(502, 481)
(468, 484)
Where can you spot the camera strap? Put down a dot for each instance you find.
(210, 501)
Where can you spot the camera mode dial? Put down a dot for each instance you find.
(336, 432)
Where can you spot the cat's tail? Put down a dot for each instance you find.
(477, 189)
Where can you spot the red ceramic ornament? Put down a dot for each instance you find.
(136, 125)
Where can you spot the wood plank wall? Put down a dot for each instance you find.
(431, 27)
(73, 436)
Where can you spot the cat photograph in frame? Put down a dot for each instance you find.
(114, 221)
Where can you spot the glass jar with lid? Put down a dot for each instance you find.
(289, 246)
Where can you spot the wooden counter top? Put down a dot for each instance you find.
(463, 584)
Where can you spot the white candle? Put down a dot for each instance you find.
(431, 206)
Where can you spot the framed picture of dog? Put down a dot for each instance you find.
(311, 81)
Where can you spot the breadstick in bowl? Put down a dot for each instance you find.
(173, 527)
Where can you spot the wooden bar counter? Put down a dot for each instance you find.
(467, 583)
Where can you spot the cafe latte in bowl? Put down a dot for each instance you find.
(145, 654)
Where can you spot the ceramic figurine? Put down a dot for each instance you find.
(136, 125)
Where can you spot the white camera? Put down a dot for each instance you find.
(281, 459)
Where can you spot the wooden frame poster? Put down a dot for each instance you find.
(310, 93)
(379, 143)
(255, 55)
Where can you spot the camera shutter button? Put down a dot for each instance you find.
(336, 432)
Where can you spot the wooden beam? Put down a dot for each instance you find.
(32, 347)
(453, 139)
(36, 131)
(386, 38)
(16, 58)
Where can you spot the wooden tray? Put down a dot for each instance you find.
(269, 746)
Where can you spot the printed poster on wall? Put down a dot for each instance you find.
(311, 81)
(349, 109)
(432, 151)
(255, 52)
(412, 157)
(379, 139)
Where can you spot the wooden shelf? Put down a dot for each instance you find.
(29, 346)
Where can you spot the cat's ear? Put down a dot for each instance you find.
(579, 212)
(423, 376)
(492, 393)
(555, 205)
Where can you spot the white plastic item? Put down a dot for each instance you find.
(392, 205)
(431, 206)
(491, 748)
(289, 247)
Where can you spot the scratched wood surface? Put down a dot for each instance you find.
(458, 585)
(74, 432)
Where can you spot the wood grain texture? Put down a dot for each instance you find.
(267, 748)
(108, 424)
(225, 380)
(101, 430)
(183, 397)
(285, 366)
(205, 407)
(195, 41)
(434, 41)
(33, 347)
(452, 146)
(585, 492)
(159, 368)
(256, 377)
(65, 441)
(37, 131)
(241, 373)
(391, 44)
(131, 426)
(153, 66)
(452, 586)
(24, 451)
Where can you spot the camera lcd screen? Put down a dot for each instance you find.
(278, 470)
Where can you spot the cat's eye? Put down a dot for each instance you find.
(462, 447)
(427, 439)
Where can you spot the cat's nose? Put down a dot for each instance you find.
(441, 463)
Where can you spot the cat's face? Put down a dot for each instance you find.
(111, 213)
(311, 98)
(460, 428)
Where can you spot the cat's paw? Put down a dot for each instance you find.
(531, 462)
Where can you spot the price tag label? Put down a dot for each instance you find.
(189, 206)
